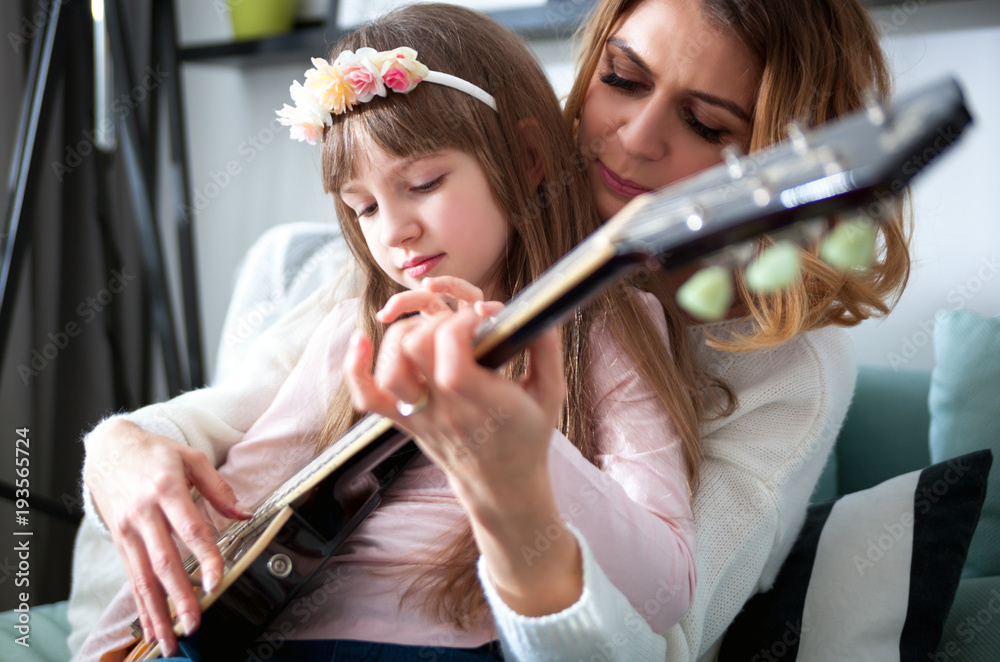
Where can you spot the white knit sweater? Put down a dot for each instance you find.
(761, 464)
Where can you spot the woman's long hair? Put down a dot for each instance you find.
(818, 59)
(546, 221)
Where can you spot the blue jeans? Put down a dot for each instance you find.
(311, 650)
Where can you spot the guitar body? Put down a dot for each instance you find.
(269, 558)
(841, 167)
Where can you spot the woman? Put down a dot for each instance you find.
(663, 85)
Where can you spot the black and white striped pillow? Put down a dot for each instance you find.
(872, 574)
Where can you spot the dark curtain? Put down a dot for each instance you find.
(75, 351)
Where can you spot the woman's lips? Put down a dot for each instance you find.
(621, 186)
(418, 267)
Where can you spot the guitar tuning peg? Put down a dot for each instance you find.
(876, 111)
(731, 154)
(800, 143)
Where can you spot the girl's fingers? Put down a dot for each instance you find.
(461, 290)
(432, 297)
(411, 301)
(488, 308)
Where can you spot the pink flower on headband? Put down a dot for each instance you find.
(360, 71)
(328, 87)
(400, 69)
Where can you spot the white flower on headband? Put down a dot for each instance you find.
(353, 78)
(307, 118)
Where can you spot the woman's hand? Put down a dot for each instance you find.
(141, 484)
(488, 434)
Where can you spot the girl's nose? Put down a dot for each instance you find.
(398, 226)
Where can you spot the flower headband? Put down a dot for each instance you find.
(357, 78)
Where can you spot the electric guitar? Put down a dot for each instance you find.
(858, 161)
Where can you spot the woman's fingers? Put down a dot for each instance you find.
(153, 559)
(395, 371)
(365, 393)
(545, 381)
(212, 486)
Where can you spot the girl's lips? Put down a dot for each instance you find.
(421, 266)
(621, 186)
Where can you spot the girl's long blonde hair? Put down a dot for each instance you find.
(817, 60)
(546, 221)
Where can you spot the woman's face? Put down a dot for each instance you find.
(670, 91)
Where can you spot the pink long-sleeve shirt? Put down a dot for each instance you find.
(633, 511)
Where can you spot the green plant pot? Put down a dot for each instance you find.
(253, 19)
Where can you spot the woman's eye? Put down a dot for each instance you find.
(614, 80)
(713, 136)
(429, 186)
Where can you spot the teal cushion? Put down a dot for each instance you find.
(46, 629)
(965, 415)
(972, 631)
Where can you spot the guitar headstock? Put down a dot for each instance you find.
(856, 165)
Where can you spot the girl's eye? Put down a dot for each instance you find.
(369, 210)
(429, 186)
(709, 135)
(612, 79)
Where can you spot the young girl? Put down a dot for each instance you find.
(445, 151)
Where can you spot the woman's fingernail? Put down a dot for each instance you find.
(166, 648)
(209, 582)
(243, 511)
(188, 624)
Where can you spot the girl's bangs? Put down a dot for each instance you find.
(427, 119)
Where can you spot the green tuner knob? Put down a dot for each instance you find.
(775, 268)
(850, 246)
(707, 295)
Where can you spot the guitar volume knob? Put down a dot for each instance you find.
(280, 566)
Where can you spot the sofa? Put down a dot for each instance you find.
(889, 432)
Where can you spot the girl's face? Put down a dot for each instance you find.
(430, 215)
(670, 91)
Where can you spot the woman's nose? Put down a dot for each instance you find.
(644, 133)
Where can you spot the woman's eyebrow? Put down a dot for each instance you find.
(630, 53)
(725, 104)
